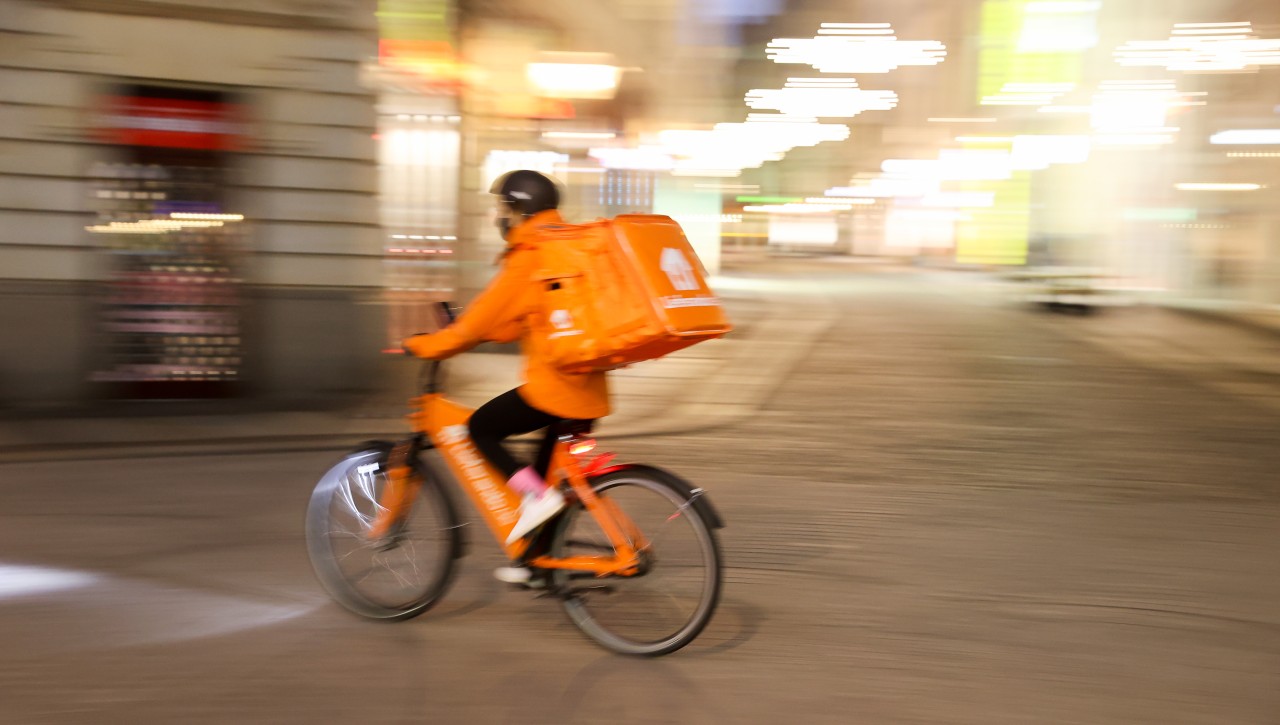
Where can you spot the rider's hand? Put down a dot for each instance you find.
(408, 343)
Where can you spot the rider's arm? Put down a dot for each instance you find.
(508, 332)
(494, 315)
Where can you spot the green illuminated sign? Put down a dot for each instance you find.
(1017, 47)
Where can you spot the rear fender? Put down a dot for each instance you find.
(699, 498)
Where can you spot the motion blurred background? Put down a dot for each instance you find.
(995, 434)
(252, 199)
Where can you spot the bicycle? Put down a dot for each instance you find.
(612, 575)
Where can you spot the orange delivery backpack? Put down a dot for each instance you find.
(619, 291)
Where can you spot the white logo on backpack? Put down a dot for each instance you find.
(561, 319)
(563, 322)
(678, 269)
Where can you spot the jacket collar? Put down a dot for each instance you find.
(528, 230)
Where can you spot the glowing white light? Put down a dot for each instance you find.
(856, 48)
(959, 199)
(583, 135)
(904, 186)
(821, 100)
(746, 145)
(974, 164)
(811, 230)
(1028, 94)
(500, 161)
(1246, 136)
(779, 118)
(1065, 109)
(574, 75)
(727, 171)
(1065, 7)
(1058, 27)
(581, 169)
(861, 201)
(728, 187)
(821, 83)
(18, 581)
(1123, 111)
(985, 139)
(856, 29)
(207, 217)
(1132, 139)
(1032, 152)
(962, 120)
(644, 158)
(796, 208)
(853, 192)
(1216, 187)
(154, 226)
(1203, 47)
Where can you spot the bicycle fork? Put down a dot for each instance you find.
(397, 497)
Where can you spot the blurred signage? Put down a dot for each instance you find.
(432, 61)
(170, 117)
(1030, 52)
(416, 37)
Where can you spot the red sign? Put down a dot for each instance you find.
(170, 122)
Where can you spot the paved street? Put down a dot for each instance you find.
(947, 508)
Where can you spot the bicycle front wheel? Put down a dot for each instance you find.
(393, 577)
(671, 600)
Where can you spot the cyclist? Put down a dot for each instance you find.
(507, 310)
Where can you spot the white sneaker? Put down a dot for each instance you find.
(513, 574)
(535, 510)
(520, 576)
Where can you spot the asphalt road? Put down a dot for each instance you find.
(951, 510)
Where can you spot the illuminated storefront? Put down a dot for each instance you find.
(188, 224)
(170, 312)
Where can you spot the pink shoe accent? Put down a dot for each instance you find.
(527, 481)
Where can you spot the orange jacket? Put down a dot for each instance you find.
(508, 310)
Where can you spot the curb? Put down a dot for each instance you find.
(743, 375)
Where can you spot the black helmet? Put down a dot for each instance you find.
(526, 192)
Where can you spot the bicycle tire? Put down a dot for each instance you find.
(578, 604)
(356, 499)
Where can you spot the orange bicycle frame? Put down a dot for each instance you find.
(444, 423)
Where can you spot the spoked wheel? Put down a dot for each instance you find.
(397, 576)
(668, 603)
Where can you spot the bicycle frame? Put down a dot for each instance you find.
(444, 424)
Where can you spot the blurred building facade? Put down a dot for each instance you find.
(1144, 138)
(256, 198)
(190, 199)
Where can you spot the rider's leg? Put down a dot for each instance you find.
(504, 416)
(501, 418)
(551, 437)
(543, 461)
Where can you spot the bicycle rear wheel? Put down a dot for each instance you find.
(396, 577)
(668, 604)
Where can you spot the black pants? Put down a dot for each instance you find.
(508, 415)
